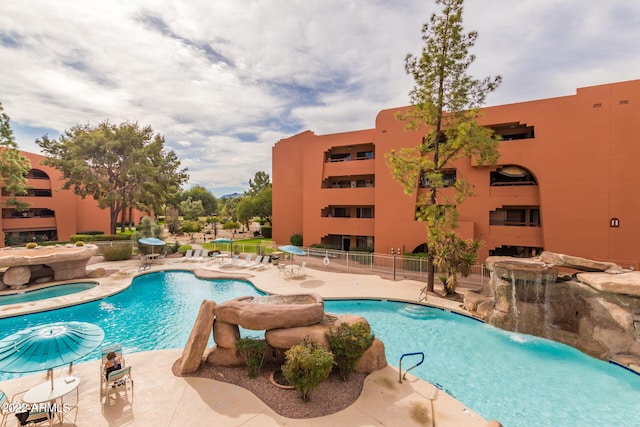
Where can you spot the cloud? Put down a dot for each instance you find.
(223, 81)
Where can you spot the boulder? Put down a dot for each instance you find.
(17, 277)
(272, 312)
(197, 343)
(285, 338)
(373, 359)
(625, 283)
(221, 356)
(225, 334)
(98, 272)
(525, 270)
(577, 263)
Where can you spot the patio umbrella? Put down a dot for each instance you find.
(293, 250)
(45, 347)
(152, 241)
(224, 240)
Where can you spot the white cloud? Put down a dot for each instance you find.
(223, 81)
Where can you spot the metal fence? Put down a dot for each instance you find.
(394, 267)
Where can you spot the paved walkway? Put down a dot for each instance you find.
(161, 399)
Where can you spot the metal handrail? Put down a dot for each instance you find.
(400, 375)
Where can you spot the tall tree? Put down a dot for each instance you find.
(191, 210)
(260, 181)
(198, 192)
(445, 106)
(118, 165)
(14, 167)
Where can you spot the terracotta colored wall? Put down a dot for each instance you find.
(72, 214)
(584, 157)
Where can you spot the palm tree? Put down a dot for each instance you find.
(454, 255)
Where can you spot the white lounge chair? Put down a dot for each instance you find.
(264, 263)
(205, 254)
(255, 263)
(188, 255)
(230, 262)
(119, 378)
(246, 262)
(196, 253)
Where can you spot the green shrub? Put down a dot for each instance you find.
(296, 239)
(253, 351)
(32, 245)
(266, 231)
(325, 246)
(98, 238)
(79, 243)
(91, 233)
(306, 366)
(348, 343)
(116, 253)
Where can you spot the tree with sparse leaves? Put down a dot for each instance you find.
(14, 167)
(120, 166)
(445, 104)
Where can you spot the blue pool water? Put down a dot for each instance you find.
(50, 292)
(517, 379)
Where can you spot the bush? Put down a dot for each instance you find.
(98, 238)
(253, 351)
(325, 246)
(296, 239)
(79, 243)
(306, 366)
(267, 232)
(32, 245)
(348, 343)
(91, 233)
(116, 253)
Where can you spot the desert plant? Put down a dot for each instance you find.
(252, 350)
(32, 245)
(116, 253)
(306, 366)
(347, 343)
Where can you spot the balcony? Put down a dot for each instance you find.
(347, 226)
(515, 236)
(516, 194)
(347, 196)
(349, 168)
(31, 223)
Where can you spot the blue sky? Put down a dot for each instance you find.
(224, 80)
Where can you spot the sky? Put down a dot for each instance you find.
(224, 80)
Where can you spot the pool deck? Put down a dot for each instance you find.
(162, 399)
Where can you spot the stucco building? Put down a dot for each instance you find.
(53, 214)
(566, 181)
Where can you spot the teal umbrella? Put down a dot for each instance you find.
(45, 347)
(291, 249)
(152, 241)
(224, 240)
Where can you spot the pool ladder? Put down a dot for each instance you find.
(404, 377)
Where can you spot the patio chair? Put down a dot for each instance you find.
(263, 263)
(119, 378)
(145, 263)
(117, 349)
(301, 272)
(205, 254)
(196, 253)
(188, 254)
(8, 407)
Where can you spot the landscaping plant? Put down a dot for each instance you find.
(306, 366)
(348, 343)
(253, 351)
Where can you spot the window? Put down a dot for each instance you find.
(364, 212)
(512, 175)
(516, 216)
(340, 212)
(364, 155)
(448, 178)
(340, 157)
(513, 131)
(364, 242)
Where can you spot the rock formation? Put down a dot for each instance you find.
(65, 262)
(286, 320)
(597, 311)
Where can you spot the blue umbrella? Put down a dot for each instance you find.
(152, 241)
(45, 347)
(291, 249)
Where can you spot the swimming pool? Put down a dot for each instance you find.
(517, 379)
(44, 293)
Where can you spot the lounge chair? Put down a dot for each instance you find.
(230, 262)
(188, 255)
(117, 349)
(263, 263)
(196, 253)
(246, 262)
(205, 254)
(255, 263)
